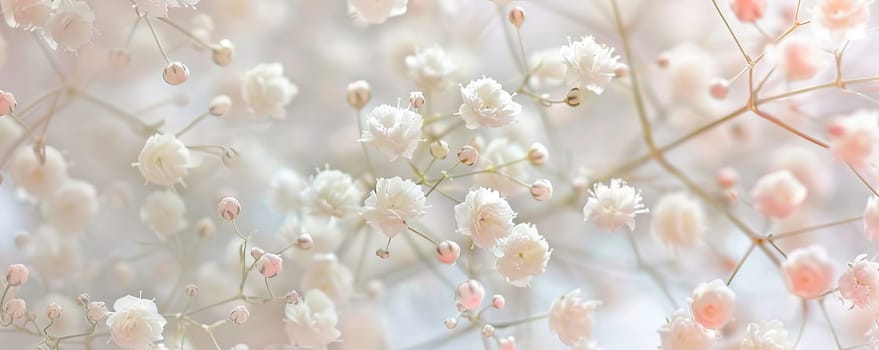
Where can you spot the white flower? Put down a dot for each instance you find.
(506, 157)
(590, 65)
(396, 132)
(712, 304)
(71, 25)
(164, 213)
(164, 160)
(326, 273)
(332, 193)
(766, 335)
(485, 216)
(430, 68)
(26, 14)
(285, 190)
(53, 255)
(487, 104)
(376, 11)
(72, 207)
(135, 323)
(39, 180)
(871, 218)
(522, 255)
(778, 194)
(610, 207)
(159, 8)
(683, 333)
(570, 318)
(266, 91)
(311, 323)
(549, 69)
(392, 203)
(678, 221)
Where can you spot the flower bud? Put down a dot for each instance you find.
(292, 297)
(748, 11)
(191, 290)
(718, 88)
(222, 52)
(175, 73)
(439, 149)
(304, 241)
(83, 299)
(383, 253)
(269, 265)
(451, 323)
(220, 105)
(447, 252)
(119, 58)
(537, 154)
(97, 311)
(470, 294)
(468, 155)
(487, 331)
(239, 315)
(16, 275)
(7, 103)
(574, 97)
(517, 16)
(53, 311)
(256, 253)
(498, 301)
(205, 227)
(15, 308)
(727, 177)
(541, 190)
(359, 94)
(508, 343)
(416, 99)
(229, 208)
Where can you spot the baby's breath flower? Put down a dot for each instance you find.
(612, 206)
(766, 335)
(312, 322)
(570, 317)
(591, 65)
(266, 91)
(485, 216)
(683, 333)
(522, 255)
(164, 160)
(430, 68)
(393, 202)
(396, 132)
(135, 323)
(164, 213)
(376, 11)
(487, 104)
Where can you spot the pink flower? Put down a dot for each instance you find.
(853, 138)
(844, 19)
(799, 58)
(712, 304)
(808, 271)
(860, 283)
(778, 194)
(269, 265)
(469, 294)
(749, 10)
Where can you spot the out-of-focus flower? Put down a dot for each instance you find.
(159, 8)
(522, 255)
(506, 155)
(396, 132)
(73, 206)
(853, 138)
(859, 284)
(590, 65)
(678, 221)
(164, 212)
(808, 271)
(392, 203)
(612, 206)
(332, 193)
(40, 180)
(71, 25)
(683, 333)
(26, 14)
(469, 294)
(266, 91)
(766, 335)
(311, 323)
(485, 216)
(164, 160)
(799, 58)
(712, 304)
(778, 194)
(548, 69)
(487, 104)
(843, 19)
(135, 323)
(376, 11)
(430, 68)
(285, 190)
(570, 318)
(330, 276)
(748, 11)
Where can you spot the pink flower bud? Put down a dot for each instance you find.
(7, 103)
(269, 265)
(498, 301)
(54, 311)
(256, 253)
(97, 311)
(416, 99)
(15, 308)
(508, 343)
(718, 88)
(17, 274)
(517, 16)
(304, 241)
(222, 52)
(488, 331)
(191, 290)
(229, 208)
(83, 299)
(292, 297)
(749, 10)
(239, 315)
(175, 73)
(470, 294)
(220, 105)
(468, 155)
(447, 252)
(541, 190)
(727, 177)
(451, 323)
(537, 154)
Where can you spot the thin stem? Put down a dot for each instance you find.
(156, 38)
(426, 237)
(829, 324)
(185, 32)
(738, 267)
(775, 237)
(732, 33)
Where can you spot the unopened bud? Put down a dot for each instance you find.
(359, 94)
(574, 97)
(439, 149)
(229, 208)
(468, 155)
(517, 16)
(416, 99)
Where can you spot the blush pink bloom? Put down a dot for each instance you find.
(778, 194)
(712, 304)
(853, 138)
(469, 294)
(808, 271)
(843, 19)
(749, 10)
(799, 58)
(269, 265)
(860, 283)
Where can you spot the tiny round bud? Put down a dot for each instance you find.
(451, 323)
(191, 290)
(175, 73)
(231, 158)
(222, 52)
(220, 105)
(15, 308)
(470, 294)
(83, 299)
(487, 331)
(269, 265)
(304, 241)
(663, 60)
(53, 311)
(416, 99)
(574, 97)
(16, 275)
(239, 315)
(541, 190)
(537, 154)
(439, 149)
(7, 103)
(508, 343)
(727, 177)
(447, 252)
(358, 94)
(517, 16)
(229, 208)
(498, 301)
(468, 155)
(383, 253)
(256, 253)
(292, 297)
(96, 311)
(119, 58)
(718, 88)
(205, 227)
